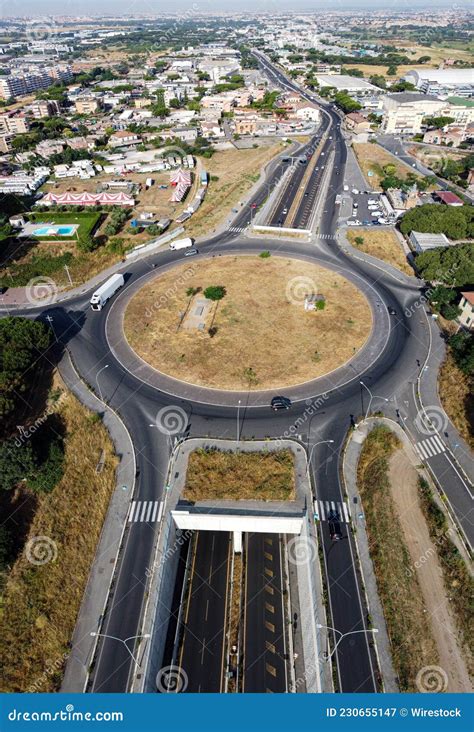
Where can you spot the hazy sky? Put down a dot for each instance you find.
(129, 7)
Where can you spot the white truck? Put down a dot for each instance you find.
(181, 244)
(105, 291)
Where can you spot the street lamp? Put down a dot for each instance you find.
(343, 635)
(97, 380)
(121, 640)
(321, 442)
(238, 425)
(372, 397)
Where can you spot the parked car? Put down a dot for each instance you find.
(334, 526)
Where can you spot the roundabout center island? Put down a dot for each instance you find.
(247, 322)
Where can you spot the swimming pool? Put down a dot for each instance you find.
(55, 230)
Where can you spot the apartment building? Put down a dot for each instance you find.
(87, 105)
(15, 124)
(403, 113)
(26, 82)
(44, 108)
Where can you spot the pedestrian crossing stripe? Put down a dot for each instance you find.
(323, 509)
(145, 512)
(430, 447)
(237, 229)
(326, 236)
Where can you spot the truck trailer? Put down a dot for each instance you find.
(181, 243)
(105, 291)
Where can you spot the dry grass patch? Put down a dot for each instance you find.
(40, 603)
(457, 396)
(372, 157)
(261, 335)
(264, 476)
(237, 171)
(383, 244)
(412, 642)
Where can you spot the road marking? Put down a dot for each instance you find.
(144, 511)
(341, 508)
(237, 229)
(430, 447)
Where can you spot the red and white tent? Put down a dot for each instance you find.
(179, 193)
(180, 176)
(87, 199)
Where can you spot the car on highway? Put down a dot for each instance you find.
(334, 523)
(392, 311)
(280, 402)
(191, 252)
(285, 211)
(355, 191)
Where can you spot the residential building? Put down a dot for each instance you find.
(461, 110)
(45, 148)
(124, 138)
(467, 310)
(402, 200)
(87, 104)
(423, 242)
(452, 136)
(403, 112)
(356, 122)
(44, 108)
(16, 124)
(6, 143)
(307, 112)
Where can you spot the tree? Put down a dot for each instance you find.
(450, 312)
(438, 122)
(378, 80)
(359, 240)
(17, 463)
(454, 266)
(441, 295)
(215, 292)
(462, 349)
(392, 71)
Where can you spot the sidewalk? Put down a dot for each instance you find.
(96, 595)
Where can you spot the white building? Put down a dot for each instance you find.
(423, 242)
(443, 82)
(403, 113)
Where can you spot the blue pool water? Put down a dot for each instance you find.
(54, 231)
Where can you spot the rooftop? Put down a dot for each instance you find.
(343, 81)
(406, 97)
(469, 297)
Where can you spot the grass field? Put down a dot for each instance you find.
(263, 338)
(457, 397)
(40, 603)
(372, 157)
(237, 171)
(86, 220)
(264, 476)
(383, 244)
(412, 643)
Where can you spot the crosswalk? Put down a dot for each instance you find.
(430, 447)
(237, 229)
(324, 508)
(145, 512)
(326, 236)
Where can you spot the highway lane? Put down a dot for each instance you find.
(203, 651)
(264, 644)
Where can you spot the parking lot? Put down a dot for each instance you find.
(359, 201)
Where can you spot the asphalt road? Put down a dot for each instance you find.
(202, 657)
(392, 375)
(264, 646)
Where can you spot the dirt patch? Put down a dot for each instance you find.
(264, 476)
(403, 480)
(261, 336)
(382, 244)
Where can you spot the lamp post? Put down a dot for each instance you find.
(372, 397)
(238, 423)
(343, 635)
(321, 442)
(97, 380)
(122, 640)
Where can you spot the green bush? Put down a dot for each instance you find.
(215, 292)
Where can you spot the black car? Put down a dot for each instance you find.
(334, 526)
(392, 311)
(280, 402)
